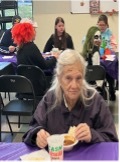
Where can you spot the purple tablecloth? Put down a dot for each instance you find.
(111, 67)
(99, 151)
(13, 60)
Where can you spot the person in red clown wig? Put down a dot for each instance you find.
(28, 53)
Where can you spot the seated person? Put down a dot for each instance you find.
(60, 39)
(28, 53)
(71, 102)
(110, 43)
(106, 33)
(7, 45)
(91, 53)
(91, 46)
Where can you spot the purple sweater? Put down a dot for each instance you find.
(57, 121)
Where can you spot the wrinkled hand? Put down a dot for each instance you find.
(83, 133)
(12, 48)
(41, 139)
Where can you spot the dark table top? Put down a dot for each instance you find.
(98, 151)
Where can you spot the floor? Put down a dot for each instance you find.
(17, 137)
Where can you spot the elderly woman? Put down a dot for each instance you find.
(71, 102)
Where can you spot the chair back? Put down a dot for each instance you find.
(9, 4)
(18, 84)
(15, 83)
(95, 72)
(36, 76)
(5, 5)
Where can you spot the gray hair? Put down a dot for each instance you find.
(69, 57)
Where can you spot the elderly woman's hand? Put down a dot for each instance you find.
(83, 133)
(41, 139)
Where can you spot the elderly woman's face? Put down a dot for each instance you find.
(71, 81)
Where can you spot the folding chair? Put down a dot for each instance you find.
(5, 6)
(94, 74)
(18, 84)
(37, 78)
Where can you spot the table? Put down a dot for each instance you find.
(98, 151)
(13, 59)
(10, 58)
(111, 67)
(6, 68)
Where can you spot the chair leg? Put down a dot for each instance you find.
(18, 121)
(9, 96)
(9, 125)
(1, 100)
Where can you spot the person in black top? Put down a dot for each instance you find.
(60, 39)
(7, 45)
(71, 102)
(28, 53)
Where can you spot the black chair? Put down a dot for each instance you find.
(6, 68)
(17, 84)
(37, 78)
(6, 5)
(96, 73)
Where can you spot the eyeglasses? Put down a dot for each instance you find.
(97, 36)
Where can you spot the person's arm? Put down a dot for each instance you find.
(37, 123)
(70, 44)
(104, 128)
(110, 38)
(96, 58)
(49, 45)
(113, 43)
(38, 59)
(6, 44)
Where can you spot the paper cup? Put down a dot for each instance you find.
(55, 145)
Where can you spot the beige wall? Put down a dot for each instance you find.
(45, 13)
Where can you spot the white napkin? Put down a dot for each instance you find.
(7, 57)
(110, 57)
(36, 155)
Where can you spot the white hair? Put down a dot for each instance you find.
(69, 57)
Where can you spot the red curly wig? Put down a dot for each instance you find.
(23, 33)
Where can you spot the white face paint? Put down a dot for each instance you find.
(97, 38)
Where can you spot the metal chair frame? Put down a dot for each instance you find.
(15, 84)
